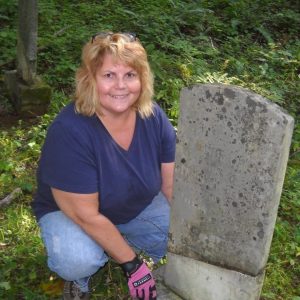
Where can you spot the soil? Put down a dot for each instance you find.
(10, 120)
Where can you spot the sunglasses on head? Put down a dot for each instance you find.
(130, 35)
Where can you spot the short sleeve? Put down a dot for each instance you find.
(67, 161)
(168, 138)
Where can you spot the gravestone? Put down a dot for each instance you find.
(231, 158)
(27, 40)
(29, 94)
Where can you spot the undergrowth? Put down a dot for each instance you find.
(253, 44)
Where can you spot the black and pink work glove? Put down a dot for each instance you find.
(140, 280)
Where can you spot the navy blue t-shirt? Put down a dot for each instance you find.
(80, 156)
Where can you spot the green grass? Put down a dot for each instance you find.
(253, 44)
(283, 268)
(24, 274)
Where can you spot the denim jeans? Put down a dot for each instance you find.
(74, 256)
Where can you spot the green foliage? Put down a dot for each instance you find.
(24, 145)
(20, 248)
(253, 44)
(8, 22)
(283, 268)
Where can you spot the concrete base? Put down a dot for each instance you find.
(195, 280)
(163, 293)
(28, 100)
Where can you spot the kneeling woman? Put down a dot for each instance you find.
(105, 175)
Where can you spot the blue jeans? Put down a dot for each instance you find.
(74, 256)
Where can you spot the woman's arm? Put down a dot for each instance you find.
(167, 175)
(83, 210)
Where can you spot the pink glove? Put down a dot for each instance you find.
(141, 284)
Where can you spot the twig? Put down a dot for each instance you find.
(59, 32)
(13, 195)
(293, 154)
(212, 43)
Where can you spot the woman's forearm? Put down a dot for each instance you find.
(167, 174)
(106, 234)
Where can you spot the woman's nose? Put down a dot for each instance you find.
(120, 83)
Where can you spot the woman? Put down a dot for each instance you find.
(106, 171)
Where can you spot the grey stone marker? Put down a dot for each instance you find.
(29, 94)
(27, 40)
(231, 158)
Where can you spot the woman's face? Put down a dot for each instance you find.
(118, 86)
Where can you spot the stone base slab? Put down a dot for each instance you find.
(164, 293)
(28, 99)
(195, 280)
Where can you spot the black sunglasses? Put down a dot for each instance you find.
(130, 35)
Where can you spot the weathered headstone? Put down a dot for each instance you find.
(29, 94)
(27, 40)
(231, 158)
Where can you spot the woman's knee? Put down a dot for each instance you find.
(154, 243)
(74, 266)
(72, 254)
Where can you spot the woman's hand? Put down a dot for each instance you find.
(141, 283)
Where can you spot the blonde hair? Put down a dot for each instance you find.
(124, 47)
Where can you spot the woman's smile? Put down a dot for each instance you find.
(119, 96)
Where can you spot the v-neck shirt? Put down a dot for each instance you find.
(80, 156)
(111, 136)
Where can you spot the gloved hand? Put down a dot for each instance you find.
(140, 280)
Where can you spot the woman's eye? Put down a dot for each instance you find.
(108, 75)
(131, 75)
